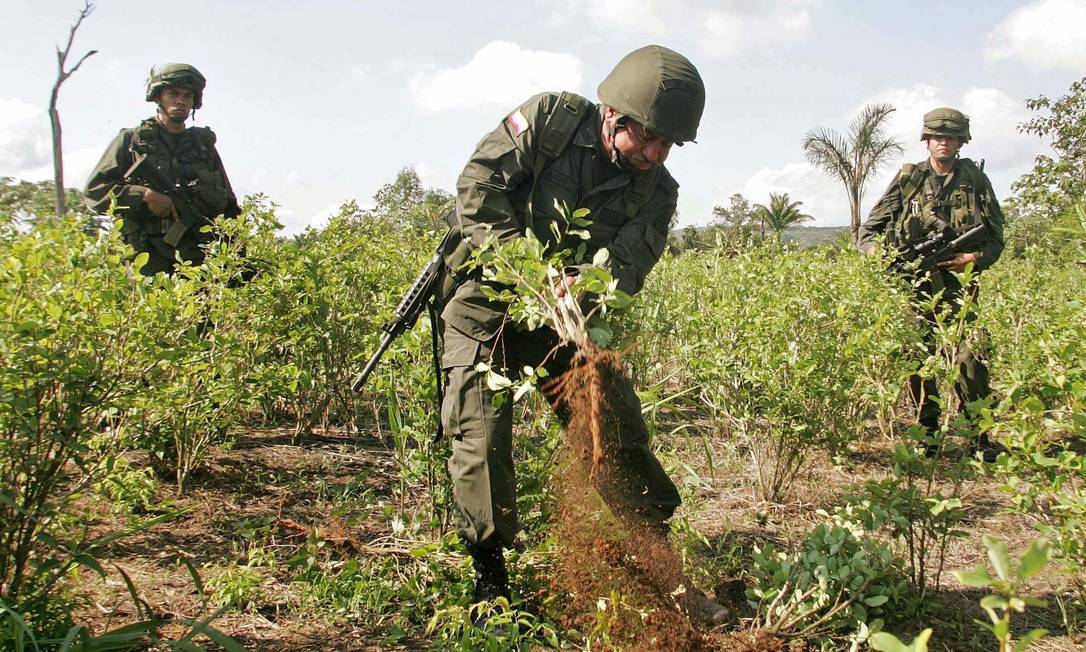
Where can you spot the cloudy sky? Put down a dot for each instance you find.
(318, 102)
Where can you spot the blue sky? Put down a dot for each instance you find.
(318, 102)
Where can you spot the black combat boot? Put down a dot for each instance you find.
(988, 449)
(491, 577)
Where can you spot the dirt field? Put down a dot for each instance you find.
(270, 488)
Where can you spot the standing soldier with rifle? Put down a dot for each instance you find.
(168, 180)
(942, 215)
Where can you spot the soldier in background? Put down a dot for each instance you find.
(943, 192)
(609, 158)
(185, 158)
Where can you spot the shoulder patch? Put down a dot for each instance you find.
(516, 122)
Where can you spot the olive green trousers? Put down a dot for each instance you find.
(481, 435)
(972, 382)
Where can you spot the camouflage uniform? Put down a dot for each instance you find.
(918, 203)
(189, 159)
(630, 214)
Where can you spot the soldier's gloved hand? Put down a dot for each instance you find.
(958, 263)
(159, 204)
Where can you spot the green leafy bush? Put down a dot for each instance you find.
(127, 488)
(1037, 317)
(788, 350)
(838, 582)
(1006, 586)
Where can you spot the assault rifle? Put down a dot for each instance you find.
(422, 294)
(939, 247)
(189, 214)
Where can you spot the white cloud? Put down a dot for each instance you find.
(994, 118)
(501, 73)
(633, 16)
(25, 141)
(26, 147)
(823, 197)
(78, 164)
(721, 30)
(1045, 34)
(767, 26)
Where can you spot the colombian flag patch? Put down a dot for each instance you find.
(517, 123)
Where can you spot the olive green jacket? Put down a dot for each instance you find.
(497, 183)
(964, 199)
(188, 158)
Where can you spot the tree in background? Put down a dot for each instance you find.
(781, 213)
(856, 158)
(738, 212)
(31, 200)
(54, 115)
(407, 202)
(1055, 183)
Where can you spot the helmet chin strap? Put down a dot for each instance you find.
(617, 158)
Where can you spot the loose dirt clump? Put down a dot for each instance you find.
(622, 580)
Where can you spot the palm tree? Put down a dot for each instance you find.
(856, 159)
(781, 213)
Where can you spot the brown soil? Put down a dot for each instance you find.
(267, 480)
(631, 563)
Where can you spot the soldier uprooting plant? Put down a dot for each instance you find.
(554, 150)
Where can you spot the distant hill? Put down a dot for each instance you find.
(811, 236)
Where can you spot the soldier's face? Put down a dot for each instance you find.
(944, 148)
(642, 149)
(176, 103)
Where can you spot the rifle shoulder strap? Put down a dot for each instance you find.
(911, 180)
(641, 189)
(562, 122)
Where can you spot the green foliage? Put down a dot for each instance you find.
(236, 588)
(1006, 587)
(1037, 313)
(781, 213)
(83, 338)
(128, 488)
(531, 278)
(406, 203)
(787, 350)
(1056, 182)
(319, 308)
(68, 357)
(30, 201)
(887, 642)
(835, 584)
(778, 351)
(738, 212)
(912, 510)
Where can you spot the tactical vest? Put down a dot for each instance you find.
(927, 207)
(563, 121)
(191, 163)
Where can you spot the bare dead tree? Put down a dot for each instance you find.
(54, 116)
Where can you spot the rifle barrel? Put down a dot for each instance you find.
(361, 380)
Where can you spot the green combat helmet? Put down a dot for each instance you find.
(945, 121)
(177, 74)
(660, 89)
